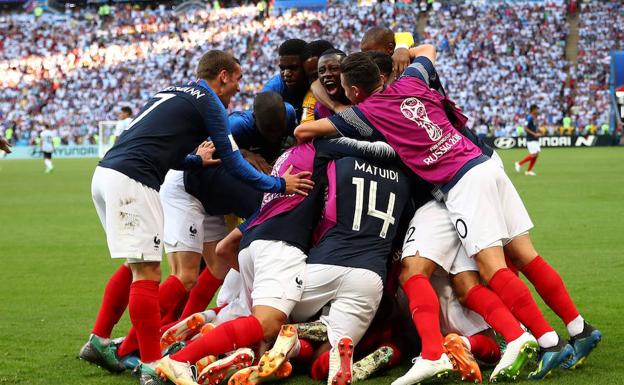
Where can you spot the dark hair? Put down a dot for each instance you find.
(127, 110)
(215, 61)
(360, 70)
(378, 36)
(533, 107)
(383, 61)
(333, 51)
(315, 49)
(270, 113)
(293, 47)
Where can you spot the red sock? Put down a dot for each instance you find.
(517, 297)
(231, 335)
(306, 351)
(170, 293)
(320, 367)
(114, 302)
(526, 159)
(425, 309)
(484, 348)
(174, 315)
(550, 287)
(485, 303)
(532, 163)
(145, 317)
(202, 293)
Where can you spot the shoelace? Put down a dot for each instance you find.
(416, 359)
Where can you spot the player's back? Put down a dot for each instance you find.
(421, 134)
(364, 204)
(168, 128)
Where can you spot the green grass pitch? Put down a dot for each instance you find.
(55, 263)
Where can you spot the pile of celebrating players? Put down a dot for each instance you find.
(349, 221)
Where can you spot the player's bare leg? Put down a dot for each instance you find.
(208, 282)
(549, 284)
(425, 309)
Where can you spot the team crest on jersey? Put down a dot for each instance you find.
(414, 110)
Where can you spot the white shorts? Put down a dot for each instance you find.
(431, 233)
(533, 146)
(353, 294)
(231, 288)
(131, 215)
(273, 274)
(187, 226)
(229, 295)
(454, 317)
(485, 208)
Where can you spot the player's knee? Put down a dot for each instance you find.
(414, 265)
(145, 271)
(463, 283)
(188, 277)
(270, 319)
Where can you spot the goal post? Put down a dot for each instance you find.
(106, 136)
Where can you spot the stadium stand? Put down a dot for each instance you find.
(71, 72)
(599, 33)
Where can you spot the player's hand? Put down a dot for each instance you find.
(4, 145)
(400, 61)
(257, 161)
(297, 183)
(206, 150)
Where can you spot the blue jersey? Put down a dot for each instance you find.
(533, 127)
(170, 126)
(276, 84)
(364, 204)
(293, 219)
(220, 193)
(247, 136)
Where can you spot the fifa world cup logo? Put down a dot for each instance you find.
(414, 110)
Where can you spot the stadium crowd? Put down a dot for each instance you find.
(497, 55)
(69, 74)
(598, 34)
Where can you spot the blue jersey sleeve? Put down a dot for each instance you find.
(291, 117)
(217, 126)
(344, 147)
(423, 69)
(243, 128)
(275, 84)
(353, 124)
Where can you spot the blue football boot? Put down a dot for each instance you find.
(552, 358)
(583, 345)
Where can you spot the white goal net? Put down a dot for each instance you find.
(106, 136)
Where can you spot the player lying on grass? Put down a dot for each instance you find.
(431, 147)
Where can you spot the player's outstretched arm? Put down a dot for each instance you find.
(426, 50)
(308, 131)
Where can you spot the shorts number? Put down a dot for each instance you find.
(162, 98)
(387, 217)
(409, 236)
